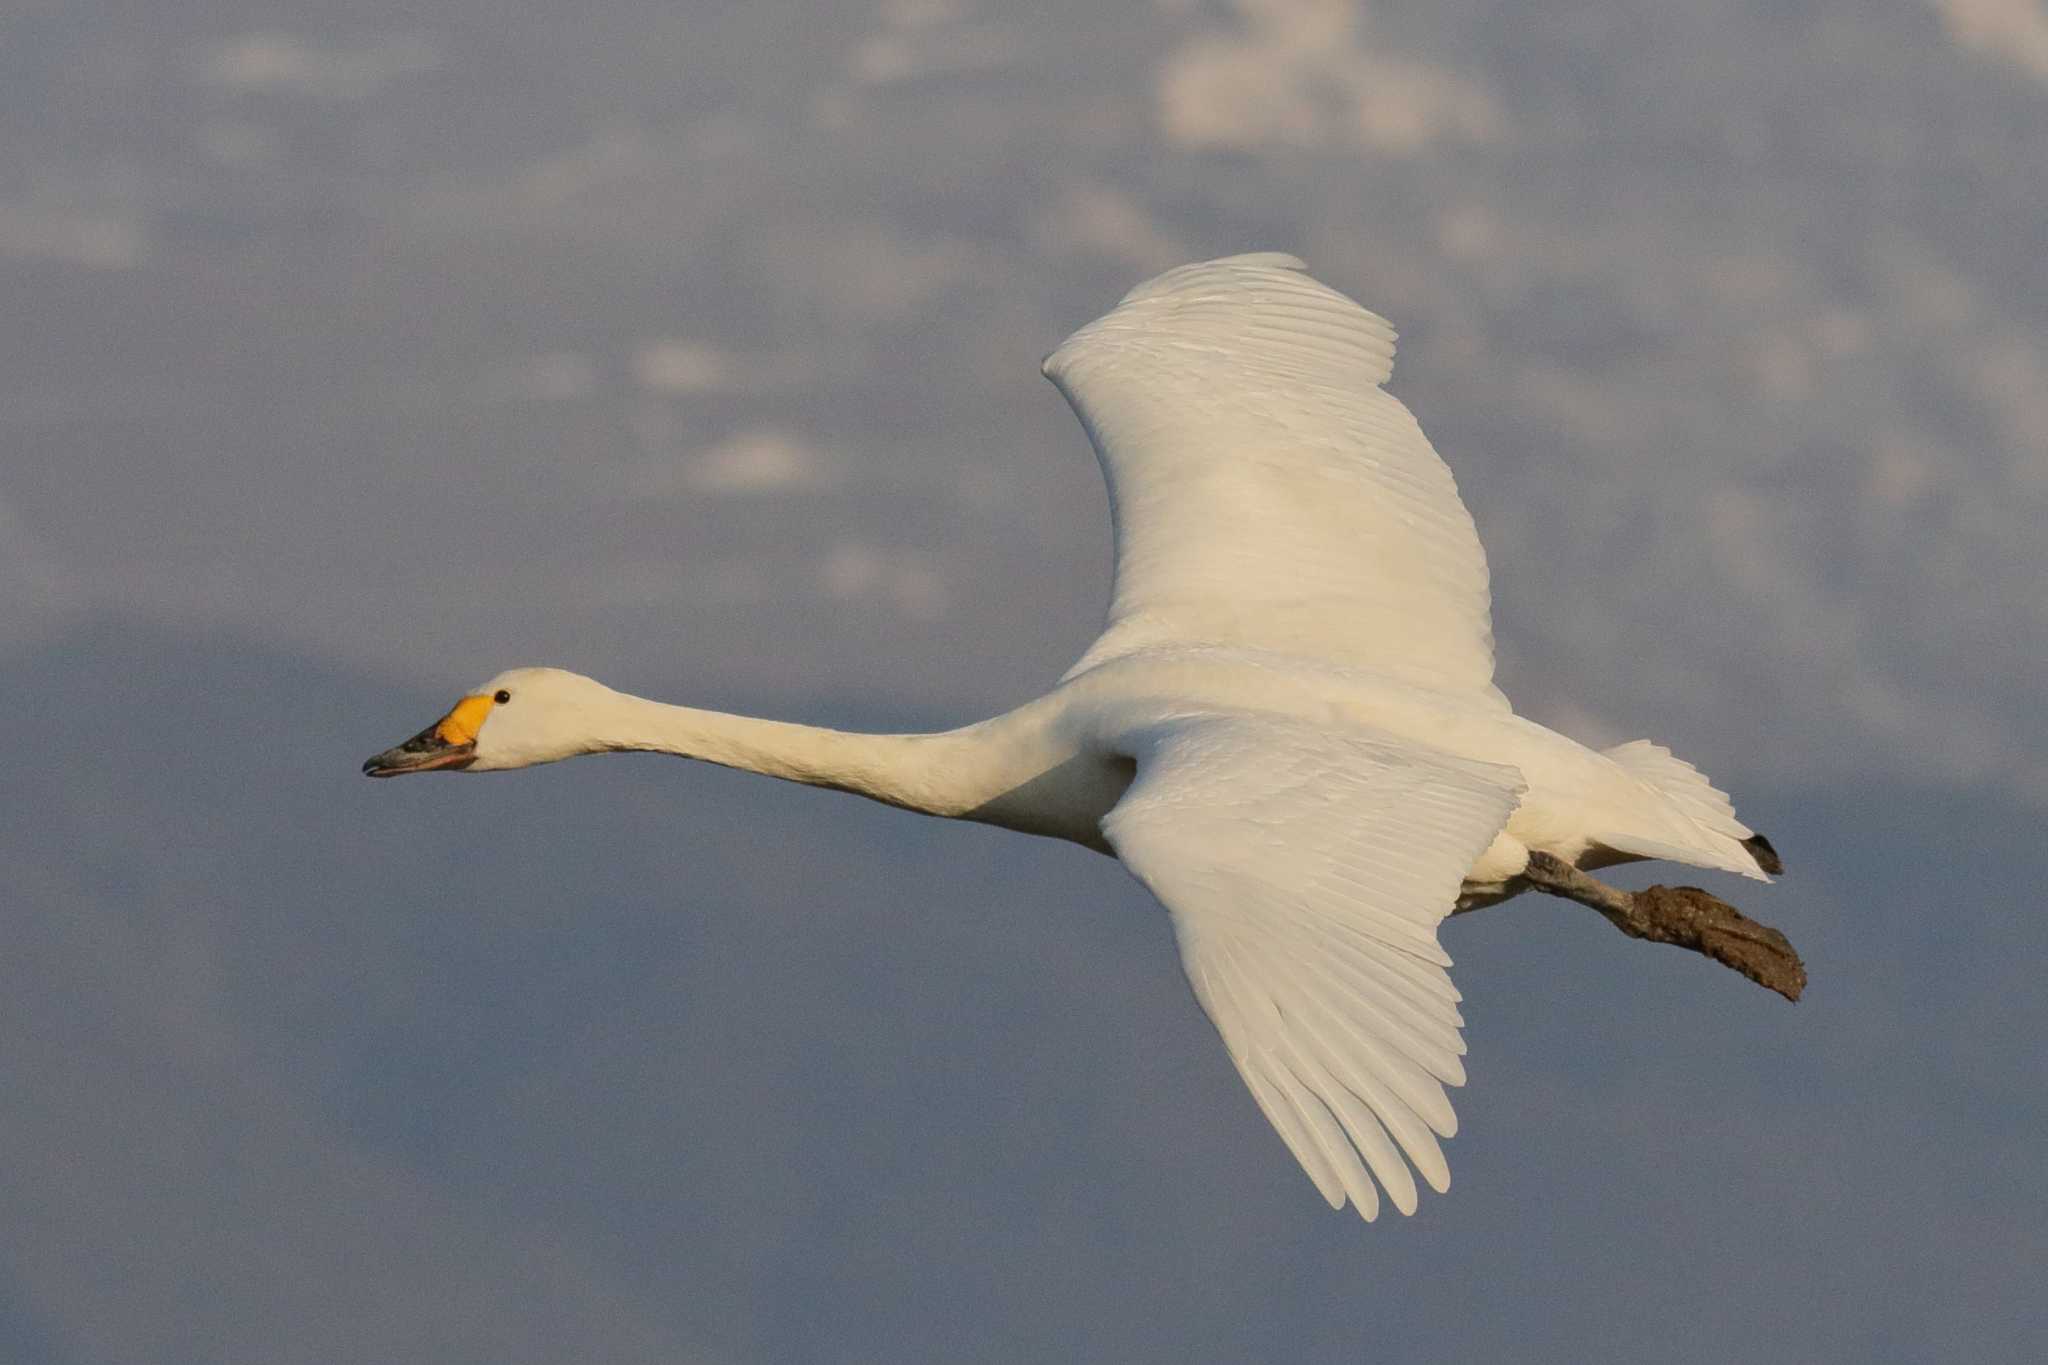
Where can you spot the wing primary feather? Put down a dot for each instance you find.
(1235, 1018)
(1420, 1091)
(1378, 1149)
(1364, 1013)
(1335, 1149)
(1330, 1137)
(1306, 867)
(1367, 1133)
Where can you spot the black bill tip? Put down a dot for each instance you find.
(425, 752)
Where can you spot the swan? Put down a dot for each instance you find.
(1288, 731)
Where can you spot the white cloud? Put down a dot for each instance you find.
(1781, 364)
(35, 590)
(892, 58)
(98, 239)
(554, 377)
(759, 460)
(663, 583)
(922, 38)
(284, 63)
(231, 142)
(2009, 377)
(1301, 73)
(674, 366)
(1901, 470)
(2013, 31)
(749, 313)
(690, 366)
(615, 183)
(1098, 217)
(905, 580)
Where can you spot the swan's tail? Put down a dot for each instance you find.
(1716, 838)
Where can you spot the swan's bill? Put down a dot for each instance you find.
(449, 742)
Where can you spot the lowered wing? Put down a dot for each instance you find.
(1306, 869)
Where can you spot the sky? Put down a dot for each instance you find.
(352, 352)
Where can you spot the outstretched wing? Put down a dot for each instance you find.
(1264, 490)
(1306, 870)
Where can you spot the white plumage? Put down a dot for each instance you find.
(1306, 869)
(1288, 730)
(1267, 493)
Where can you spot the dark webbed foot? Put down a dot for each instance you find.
(1681, 915)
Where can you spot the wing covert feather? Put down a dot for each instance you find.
(1264, 491)
(1305, 869)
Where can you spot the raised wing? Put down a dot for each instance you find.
(1264, 490)
(1306, 870)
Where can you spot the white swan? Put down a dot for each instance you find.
(1288, 732)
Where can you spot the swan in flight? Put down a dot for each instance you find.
(1288, 730)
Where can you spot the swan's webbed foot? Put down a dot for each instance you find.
(1681, 915)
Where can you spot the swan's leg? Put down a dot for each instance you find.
(1548, 872)
(1681, 915)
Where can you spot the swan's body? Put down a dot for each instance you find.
(1288, 732)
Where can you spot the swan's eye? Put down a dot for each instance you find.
(502, 697)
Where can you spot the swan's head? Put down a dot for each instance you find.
(521, 717)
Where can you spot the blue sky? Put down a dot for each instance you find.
(353, 352)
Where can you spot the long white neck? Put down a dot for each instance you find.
(1022, 770)
(953, 773)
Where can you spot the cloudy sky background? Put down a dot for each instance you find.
(350, 352)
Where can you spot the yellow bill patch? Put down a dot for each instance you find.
(460, 725)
